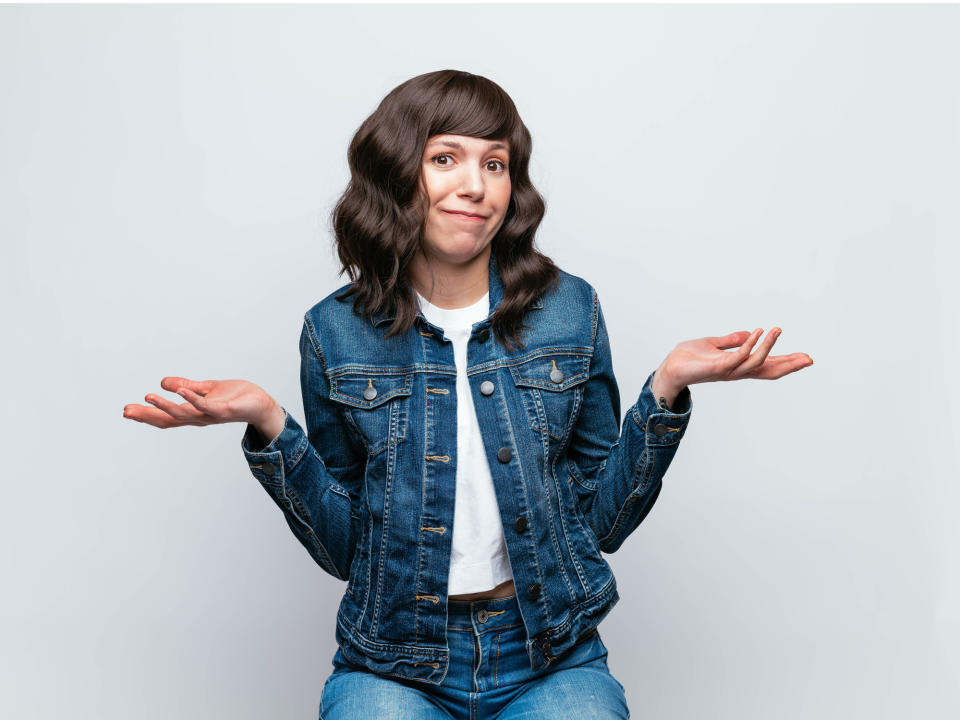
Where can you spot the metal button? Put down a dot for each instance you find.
(556, 375)
(660, 430)
(483, 616)
(534, 591)
(504, 454)
(483, 336)
(521, 524)
(486, 387)
(369, 393)
(269, 468)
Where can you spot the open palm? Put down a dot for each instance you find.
(708, 360)
(208, 402)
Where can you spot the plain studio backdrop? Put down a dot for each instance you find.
(166, 179)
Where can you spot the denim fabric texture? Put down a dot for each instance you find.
(489, 677)
(368, 488)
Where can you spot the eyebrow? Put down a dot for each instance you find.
(458, 146)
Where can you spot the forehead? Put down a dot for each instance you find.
(460, 142)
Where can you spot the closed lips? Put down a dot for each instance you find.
(466, 214)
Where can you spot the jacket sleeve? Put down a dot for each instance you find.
(314, 476)
(617, 475)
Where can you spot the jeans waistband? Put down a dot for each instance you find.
(482, 615)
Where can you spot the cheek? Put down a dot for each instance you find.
(436, 185)
(504, 198)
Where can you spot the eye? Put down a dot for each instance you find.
(441, 155)
(497, 162)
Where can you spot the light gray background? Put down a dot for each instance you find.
(166, 176)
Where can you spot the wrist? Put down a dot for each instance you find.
(665, 388)
(271, 422)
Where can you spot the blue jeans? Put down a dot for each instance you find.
(489, 677)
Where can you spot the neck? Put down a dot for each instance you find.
(451, 285)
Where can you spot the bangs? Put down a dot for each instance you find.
(474, 106)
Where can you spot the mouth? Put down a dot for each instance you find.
(472, 217)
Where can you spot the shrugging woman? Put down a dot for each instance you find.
(463, 466)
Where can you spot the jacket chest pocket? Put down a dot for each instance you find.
(375, 406)
(551, 387)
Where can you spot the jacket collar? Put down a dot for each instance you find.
(496, 295)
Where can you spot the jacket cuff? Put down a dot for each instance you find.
(281, 455)
(661, 426)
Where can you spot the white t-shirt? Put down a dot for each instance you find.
(478, 560)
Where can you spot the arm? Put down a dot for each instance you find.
(317, 491)
(617, 475)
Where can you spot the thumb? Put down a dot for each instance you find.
(730, 341)
(174, 383)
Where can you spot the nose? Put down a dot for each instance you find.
(471, 183)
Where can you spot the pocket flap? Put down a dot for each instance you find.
(368, 391)
(554, 373)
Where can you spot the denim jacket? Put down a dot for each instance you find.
(368, 489)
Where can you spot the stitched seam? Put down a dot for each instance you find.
(627, 505)
(359, 639)
(294, 499)
(574, 610)
(385, 530)
(495, 364)
(370, 404)
(561, 565)
(526, 499)
(566, 535)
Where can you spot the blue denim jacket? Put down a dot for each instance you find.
(368, 489)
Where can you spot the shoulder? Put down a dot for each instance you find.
(332, 307)
(332, 321)
(572, 288)
(572, 296)
(567, 315)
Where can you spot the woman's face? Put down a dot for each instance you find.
(467, 182)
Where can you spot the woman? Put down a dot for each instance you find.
(463, 465)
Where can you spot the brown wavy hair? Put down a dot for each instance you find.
(378, 221)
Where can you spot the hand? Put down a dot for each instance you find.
(208, 402)
(705, 360)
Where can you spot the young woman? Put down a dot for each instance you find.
(463, 464)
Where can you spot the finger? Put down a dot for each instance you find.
(184, 411)
(776, 366)
(743, 352)
(729, 341)
(197, 401)
(153, 416)
(757, 358)
(174, 383)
